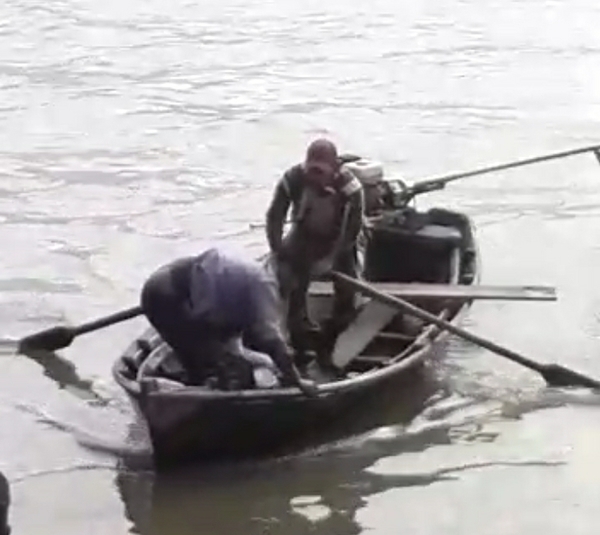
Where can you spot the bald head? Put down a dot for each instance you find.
(322, 150)
(321, 162)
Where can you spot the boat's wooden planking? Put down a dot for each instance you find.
(461, 292)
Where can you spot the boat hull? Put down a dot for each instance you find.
(185, 427)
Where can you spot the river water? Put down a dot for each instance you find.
(134, 131)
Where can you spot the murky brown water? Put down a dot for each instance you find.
(134, 131)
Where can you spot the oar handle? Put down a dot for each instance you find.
(426, 316)
(107, 320)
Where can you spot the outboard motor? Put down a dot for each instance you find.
(381, 193)
(370, 174)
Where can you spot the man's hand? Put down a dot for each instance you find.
(308, 387)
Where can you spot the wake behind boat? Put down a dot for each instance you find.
(427, 257)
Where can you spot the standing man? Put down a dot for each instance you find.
(326, 202)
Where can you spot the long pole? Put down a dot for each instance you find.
(445, 179)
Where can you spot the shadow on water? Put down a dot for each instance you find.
(318, 490)
(64, 373)
(316, 493)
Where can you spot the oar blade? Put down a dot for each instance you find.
(50, 339)
(556, 375)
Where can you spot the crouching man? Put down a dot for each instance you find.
(204, 306)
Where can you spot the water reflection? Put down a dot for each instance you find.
(316, 490)
(316, 495)
(312, 494)
(64, 373)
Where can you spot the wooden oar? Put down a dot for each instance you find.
(554, 374)
(61, 336)
(460, 292)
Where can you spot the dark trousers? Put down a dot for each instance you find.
(203, 349)
(298, 322)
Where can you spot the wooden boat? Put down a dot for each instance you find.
(408, 251)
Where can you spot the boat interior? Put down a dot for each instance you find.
(414, 250)
(408, 248)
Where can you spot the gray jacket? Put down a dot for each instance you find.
(240, 297)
